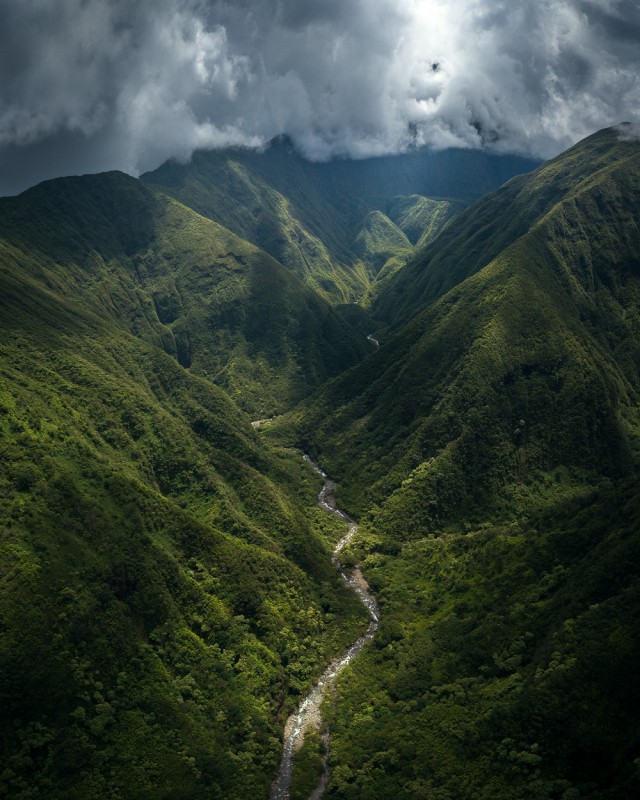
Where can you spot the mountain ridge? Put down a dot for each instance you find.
(519, 202)
(167, 591)
(307, 214)
(490, 447)
(183, 282)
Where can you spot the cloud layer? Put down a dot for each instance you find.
(87, 85)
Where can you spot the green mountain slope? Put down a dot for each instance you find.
(221, 307)
(379, 240)
(506, 662)
(539, 348)
(421, 218)
(487, 444)
(308, 215)
(490, 226)
(166, 590)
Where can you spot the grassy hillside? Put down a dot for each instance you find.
(221, 307)
(309, 215)
(421, 218)
(528, 365)
(379, 240)
(488, 227)
(506, 662)
(166, 590)
(387, 243)
(491, 446)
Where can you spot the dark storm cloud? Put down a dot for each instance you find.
(96, 84)
(620, 21)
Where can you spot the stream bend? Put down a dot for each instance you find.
(308, 712)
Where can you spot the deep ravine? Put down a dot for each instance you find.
(307, 714)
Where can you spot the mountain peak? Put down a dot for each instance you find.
(282, 142)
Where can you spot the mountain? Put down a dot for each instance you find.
(309, 215)
(584, 174)
(525, 362)
(166, 586)
(166, 589)
(506, 662)
(491, 448)
(222, 308)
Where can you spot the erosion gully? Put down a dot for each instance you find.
(308, 715)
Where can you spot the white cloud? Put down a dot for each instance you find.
(629, 131)
(137, 83)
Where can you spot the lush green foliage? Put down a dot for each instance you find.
(379, 240)
(528, 365)
(166, 591)
(592, 172)
(422, 218)
(310, 216)
(491, 445)
(222, 308)
(506, 663)
(308, 766)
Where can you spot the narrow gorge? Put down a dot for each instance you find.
(308, 714)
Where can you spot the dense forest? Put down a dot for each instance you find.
(167, 594)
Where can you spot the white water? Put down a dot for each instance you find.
(371, 338)
(307, 714)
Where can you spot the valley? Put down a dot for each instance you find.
(455, 338)
(308, 715)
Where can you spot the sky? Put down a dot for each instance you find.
(91, 85)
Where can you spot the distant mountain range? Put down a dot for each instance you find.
(166, 588)
(334, 224)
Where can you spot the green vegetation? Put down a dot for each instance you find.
(506, 662)
(528, 365)
(308, 766)
(592, 172)
(166, 591)
(310, 216)
(379, 240)
(491, 448)
(417, 221)
(222, 308)
(422, 218)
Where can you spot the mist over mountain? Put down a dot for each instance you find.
(105, 84)
(315, 217)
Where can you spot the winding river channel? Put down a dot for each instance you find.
(307, 715)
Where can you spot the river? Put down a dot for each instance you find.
(307, 715)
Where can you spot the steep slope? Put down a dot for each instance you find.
(380, 240)
(307, 215)
(420, 218)
(488, 227)
(539, 348)
(166, 592)
(166, 588)
(222, 308)
(491, 445)
(506, 662)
